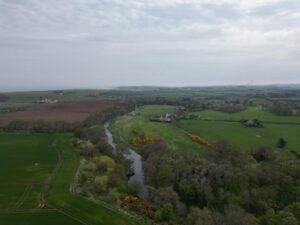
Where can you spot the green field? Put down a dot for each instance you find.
(176, 140)
(244, 137)
(213, 131)
(27, 99)
(29, 159)
(250, 113)
(69, 95)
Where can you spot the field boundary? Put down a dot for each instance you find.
(238, 121)
(49, 180)
(47, 184)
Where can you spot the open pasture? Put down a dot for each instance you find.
(176, 140)
(249, 113)
(26, 162)
(64, 95)
(243, 137)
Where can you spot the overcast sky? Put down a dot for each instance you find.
(97, 43)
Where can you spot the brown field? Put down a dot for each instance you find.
(67, 111)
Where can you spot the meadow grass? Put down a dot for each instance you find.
(244, 137)
(26, 161)
(249, 113)
(176, 140)
(213, 131)
(30, 97)
(92, 212)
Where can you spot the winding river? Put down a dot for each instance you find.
(135, 158)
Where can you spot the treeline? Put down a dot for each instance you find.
(285, 108)
(108, 114)
(219, 103)
(103, 171)
(224, 187)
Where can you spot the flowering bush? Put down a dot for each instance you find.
(138, 205)
(199, 140)
(143, 140)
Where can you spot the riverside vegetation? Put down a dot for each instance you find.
(202, 168)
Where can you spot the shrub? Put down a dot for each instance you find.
(143, 140)
(100, 183)
(134, 188)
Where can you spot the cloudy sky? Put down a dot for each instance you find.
(103, 43)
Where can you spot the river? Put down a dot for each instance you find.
(135, 158)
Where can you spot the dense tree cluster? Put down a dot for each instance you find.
(108, 114)
(226, 187)
(103, 172)
(230, 108)
(281, 108)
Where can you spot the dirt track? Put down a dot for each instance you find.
(69, 112)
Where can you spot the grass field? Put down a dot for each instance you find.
(29, 159)
(250, 113)
(175, 138)
(213, 131)
(29, 98)
(69, 95)
(244, 137)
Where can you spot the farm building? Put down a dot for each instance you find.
(252, 123)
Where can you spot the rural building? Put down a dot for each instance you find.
(252, 123)
(167, 118)
(45, 101)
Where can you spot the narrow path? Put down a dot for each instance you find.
(47, 184)
(49, 180)
(21, 200)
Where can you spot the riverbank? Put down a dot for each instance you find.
(137, 163)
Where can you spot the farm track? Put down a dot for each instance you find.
(53, 194)
(24, 196)
(47, 184)
(49, 180)
(21, 200)
(43, 206)
(22, 211)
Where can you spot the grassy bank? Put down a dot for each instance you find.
(176, 140)
(30, 159)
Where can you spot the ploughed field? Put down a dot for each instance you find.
(26, 162)
(66, 111)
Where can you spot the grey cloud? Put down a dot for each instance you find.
(276, 8)
(115, 42)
